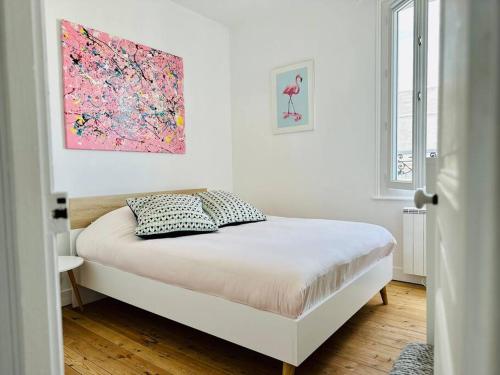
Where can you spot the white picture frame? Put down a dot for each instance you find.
(292, 98)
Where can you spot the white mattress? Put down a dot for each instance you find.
(282, 265)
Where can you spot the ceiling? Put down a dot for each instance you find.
(233, 12)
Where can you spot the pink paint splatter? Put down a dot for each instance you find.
(120, 95)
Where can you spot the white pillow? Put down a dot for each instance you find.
(226, 208)
(164, 214)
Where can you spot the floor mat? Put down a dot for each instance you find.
(415, 359)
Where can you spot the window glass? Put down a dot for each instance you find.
(432, 77)
(403, 116)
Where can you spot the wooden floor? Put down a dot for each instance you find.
(111, 337)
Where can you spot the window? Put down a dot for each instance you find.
(402, 93)
(432, 77)
(409, 88)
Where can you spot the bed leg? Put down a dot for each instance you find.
(288, 369)
(74, 285)
(383, 294)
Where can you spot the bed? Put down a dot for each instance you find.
(280, 287)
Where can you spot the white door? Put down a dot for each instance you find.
(30, 317)
(463, 294)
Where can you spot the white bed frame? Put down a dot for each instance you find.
(288, 340)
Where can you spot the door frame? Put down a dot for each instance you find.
(9, 306)
(34, 339)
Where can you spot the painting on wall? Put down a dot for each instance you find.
(120, 95)
(293, 98)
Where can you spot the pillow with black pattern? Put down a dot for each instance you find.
(163, 215)
(226, 208)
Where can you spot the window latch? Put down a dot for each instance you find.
(419, 40)
(419, 96)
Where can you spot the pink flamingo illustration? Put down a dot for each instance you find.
(291, 90)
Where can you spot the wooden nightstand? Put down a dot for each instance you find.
(68, 264)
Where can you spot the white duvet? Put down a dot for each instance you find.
(282, 265)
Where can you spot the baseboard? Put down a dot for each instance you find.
(88, 296)
(66, 296)
(399, 275)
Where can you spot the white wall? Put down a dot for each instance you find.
(204, 45)
(326, 173)
(329, 172)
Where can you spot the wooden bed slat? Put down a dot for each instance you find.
(83, 211)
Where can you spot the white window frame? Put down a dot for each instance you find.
(387, 186)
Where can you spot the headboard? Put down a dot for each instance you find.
(83, 211)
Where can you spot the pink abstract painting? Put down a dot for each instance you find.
(120, 95)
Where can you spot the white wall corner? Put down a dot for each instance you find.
(399, 275)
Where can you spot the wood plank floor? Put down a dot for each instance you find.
(111, 337)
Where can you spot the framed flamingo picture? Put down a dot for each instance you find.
(292, 96)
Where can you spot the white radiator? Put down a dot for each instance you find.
(414, 241)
